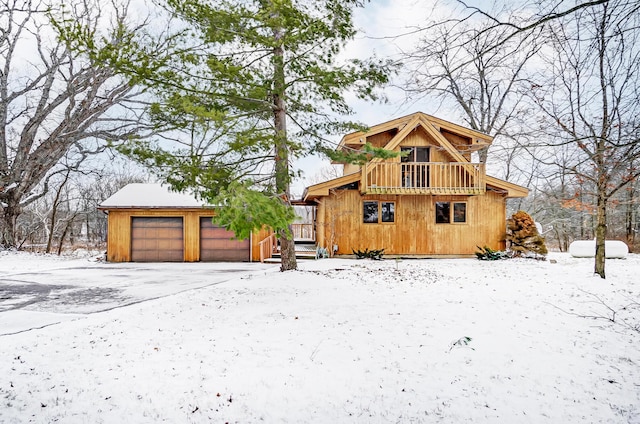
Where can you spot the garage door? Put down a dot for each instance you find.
(157, 239)
(217, 244)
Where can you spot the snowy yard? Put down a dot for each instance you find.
(415, 341)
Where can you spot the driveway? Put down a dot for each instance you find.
(35, 299)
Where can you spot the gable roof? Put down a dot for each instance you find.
(155, 196)
(406, 124)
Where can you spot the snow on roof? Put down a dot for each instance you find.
(149, 196)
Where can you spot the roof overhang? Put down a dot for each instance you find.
(511, 190)
(150, 196)
(146, 208)
(323, 189)
(316, 191)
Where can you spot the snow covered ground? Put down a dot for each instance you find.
(414, 341)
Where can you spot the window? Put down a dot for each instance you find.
(444, 212)
(375, 212)
(415, 154)
(415, 171)
(370, 212)
(459, 212)
(388, 211)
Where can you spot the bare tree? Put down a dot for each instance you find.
(325, 173)
(456, 64)
(55, 206)
(53, 101)
(67, 215)
(590, 102)
(525, 18)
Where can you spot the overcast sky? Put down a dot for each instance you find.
(387, 28)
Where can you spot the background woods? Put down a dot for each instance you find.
(556, 85)
(58, 106)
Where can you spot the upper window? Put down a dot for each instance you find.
(375, 212)
(415, 154)
(446, 214)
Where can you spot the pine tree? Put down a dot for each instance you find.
(523, 236)
(262, 82)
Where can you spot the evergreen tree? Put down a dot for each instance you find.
(258, 83)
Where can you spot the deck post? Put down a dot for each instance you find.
(320, 225)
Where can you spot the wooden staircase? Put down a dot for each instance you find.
(304, 250)
(270, 249)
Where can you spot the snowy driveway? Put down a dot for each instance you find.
(34, 298)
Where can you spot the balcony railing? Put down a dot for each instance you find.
(303, 231)
(423, 178)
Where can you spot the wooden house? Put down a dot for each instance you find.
(430, 201)
(148, 223)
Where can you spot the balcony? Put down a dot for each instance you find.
(423, 178)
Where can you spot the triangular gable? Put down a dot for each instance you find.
(420, 121)
(404, 132)
(478, 139)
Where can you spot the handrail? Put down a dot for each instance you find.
(267, 247)
(425, 177)
(304, 231)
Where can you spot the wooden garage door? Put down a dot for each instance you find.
(217, 244)
(155, 239)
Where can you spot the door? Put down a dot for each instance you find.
(218, 245)
(157, 239)
(415, 168)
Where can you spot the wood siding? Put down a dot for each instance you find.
(414, 232)
(415, 185)
(119, 232)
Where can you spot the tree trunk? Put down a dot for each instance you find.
(287, 244)
(629, 216)
(68, 226)
(10, 218)
(54, 210)
(52, 222)
(601, 233)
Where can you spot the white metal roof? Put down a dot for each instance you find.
(149, 196)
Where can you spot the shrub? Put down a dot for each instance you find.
(375, 254)
(488, 254)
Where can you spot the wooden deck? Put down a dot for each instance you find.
(424, 178)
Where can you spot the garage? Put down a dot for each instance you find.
(151, 223)
(218, 245)
(157, 239)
